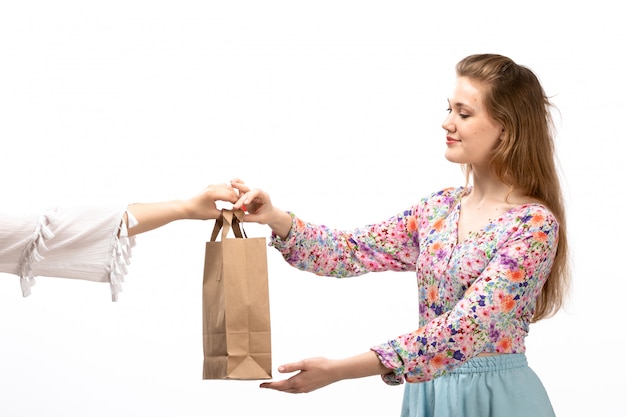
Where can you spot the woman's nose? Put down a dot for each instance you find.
(447, 125)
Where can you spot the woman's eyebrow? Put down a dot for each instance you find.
(459, 104)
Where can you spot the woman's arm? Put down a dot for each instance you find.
(202, 206)
(316, 373)
(390, 245)
(92, 243)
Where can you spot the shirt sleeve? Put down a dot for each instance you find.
(387, 246)
(493, 314)
(88, 243)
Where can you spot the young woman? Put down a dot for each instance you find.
(490, 256)
(92, 243)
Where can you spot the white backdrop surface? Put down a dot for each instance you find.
(335, 108)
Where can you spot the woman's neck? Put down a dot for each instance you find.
(488, 189)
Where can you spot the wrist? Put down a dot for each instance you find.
(280, 223)
(184, 209)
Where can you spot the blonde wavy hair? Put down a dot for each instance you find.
(525, 158)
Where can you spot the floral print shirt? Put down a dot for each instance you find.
(475, 296)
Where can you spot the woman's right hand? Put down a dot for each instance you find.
(258, 207)
(256, 203)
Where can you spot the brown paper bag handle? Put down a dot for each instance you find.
(227, 220)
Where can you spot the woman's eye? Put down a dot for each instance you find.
(461, 115)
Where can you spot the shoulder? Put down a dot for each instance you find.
(536, 211)
(446, 196)
(442, 200)
(531, 218)
(439, 203)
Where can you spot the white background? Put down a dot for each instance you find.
(335, 108)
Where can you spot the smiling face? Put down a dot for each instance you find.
(471, 134)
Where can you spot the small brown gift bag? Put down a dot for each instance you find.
(235, 304)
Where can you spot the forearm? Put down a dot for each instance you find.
(154, 215)
(280, 223)
(359, 366)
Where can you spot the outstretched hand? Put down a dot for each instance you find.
(259, 209)
(203, 205)
(312, 374)
(256, 203)
(318, 372)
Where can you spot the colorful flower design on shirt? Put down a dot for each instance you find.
(475, 296)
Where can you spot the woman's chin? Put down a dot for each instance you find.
(451, 157)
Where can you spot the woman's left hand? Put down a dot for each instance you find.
(318, 372)
(312, 374)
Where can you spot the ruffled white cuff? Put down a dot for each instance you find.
(32, 254)
(120, 258)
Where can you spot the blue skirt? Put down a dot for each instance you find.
(486, 386)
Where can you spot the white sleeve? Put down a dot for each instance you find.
(89, 243)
